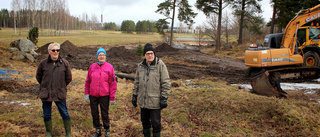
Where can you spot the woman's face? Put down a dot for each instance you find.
(102, 57)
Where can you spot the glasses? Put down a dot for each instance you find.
(149, 54)
(54, 50)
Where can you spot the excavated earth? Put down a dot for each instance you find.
(195, 63)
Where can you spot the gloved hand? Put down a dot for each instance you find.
(163, 102)
(112, 102)
(86, 98)
(134, 100)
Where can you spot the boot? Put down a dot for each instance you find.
(147, 132)
(107, 131)
(67, 127)
(156, 134)
(98, 129)
(48, 125)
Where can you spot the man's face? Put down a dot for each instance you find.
(54, 52)
(102, 57)
(149, 56)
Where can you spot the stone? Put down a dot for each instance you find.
(29, 57)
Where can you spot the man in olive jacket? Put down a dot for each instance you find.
(53, 75)
(151, 90)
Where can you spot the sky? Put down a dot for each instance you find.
(119, 10)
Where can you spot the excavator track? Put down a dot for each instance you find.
(296, 74)
(267, 82)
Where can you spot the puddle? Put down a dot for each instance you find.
(306, 87)
(15, 102)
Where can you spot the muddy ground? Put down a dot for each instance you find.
(181, 63)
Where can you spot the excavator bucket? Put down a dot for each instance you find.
(261, 85)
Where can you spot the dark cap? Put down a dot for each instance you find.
(148, 47)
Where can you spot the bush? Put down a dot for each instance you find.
(33, 35)
(139, 50)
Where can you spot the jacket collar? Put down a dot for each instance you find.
(153, 63)
(58, 60)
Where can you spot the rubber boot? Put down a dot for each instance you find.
(107, 131)
(48, 125)
(98, 134)
(156, 134)
(147, 132)
(67, 127)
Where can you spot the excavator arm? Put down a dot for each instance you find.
(303, 17)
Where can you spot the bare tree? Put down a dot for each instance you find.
(42, 8)
(227, 21)
(94, 21)
(16, 7)
(49, 9)
(33, 7)
(200, 33)
(211, 28)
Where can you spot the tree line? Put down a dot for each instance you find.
(53, 17)
(247, 14)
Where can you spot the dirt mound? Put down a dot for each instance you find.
(67, 48)
(122, 59)
(43, 49)
(164, 48)
(121, 53)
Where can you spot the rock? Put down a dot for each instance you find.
(23, 45)
(12, 49)
(29, 57)
(18, 55)
(33, 53)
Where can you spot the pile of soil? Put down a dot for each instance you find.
(125, 61)
(122, 59)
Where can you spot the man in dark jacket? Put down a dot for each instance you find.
(53, 75)
(151, 90)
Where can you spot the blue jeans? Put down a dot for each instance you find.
(47, 107)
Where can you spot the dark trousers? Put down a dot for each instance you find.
(104, 108)
(62, 107)
(151, 117)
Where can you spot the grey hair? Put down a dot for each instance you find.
(53, 44)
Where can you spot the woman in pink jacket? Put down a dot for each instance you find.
(100, 88)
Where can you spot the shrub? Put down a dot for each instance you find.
(33, 35)
(139, 50)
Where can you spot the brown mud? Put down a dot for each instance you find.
(182, 64)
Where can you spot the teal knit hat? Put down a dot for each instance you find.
(101, 50)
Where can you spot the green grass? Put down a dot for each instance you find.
(81, 38)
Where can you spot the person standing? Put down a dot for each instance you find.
(53, 75)
(151, 90)
(100, 88)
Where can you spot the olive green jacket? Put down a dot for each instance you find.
(151, 83)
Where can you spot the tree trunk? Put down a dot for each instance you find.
(174, 9)
(273, 16)
(241, 22)
(218, 36)
(15, 23)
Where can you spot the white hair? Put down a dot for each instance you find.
(53, 44)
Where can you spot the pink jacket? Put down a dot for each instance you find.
(101, 81)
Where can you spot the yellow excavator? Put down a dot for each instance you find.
(292, 55)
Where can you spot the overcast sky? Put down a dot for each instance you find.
(119, 10)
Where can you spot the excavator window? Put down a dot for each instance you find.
(314, 33)
(275, 42)
(301, 36)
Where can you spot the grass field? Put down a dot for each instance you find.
(79, 37)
